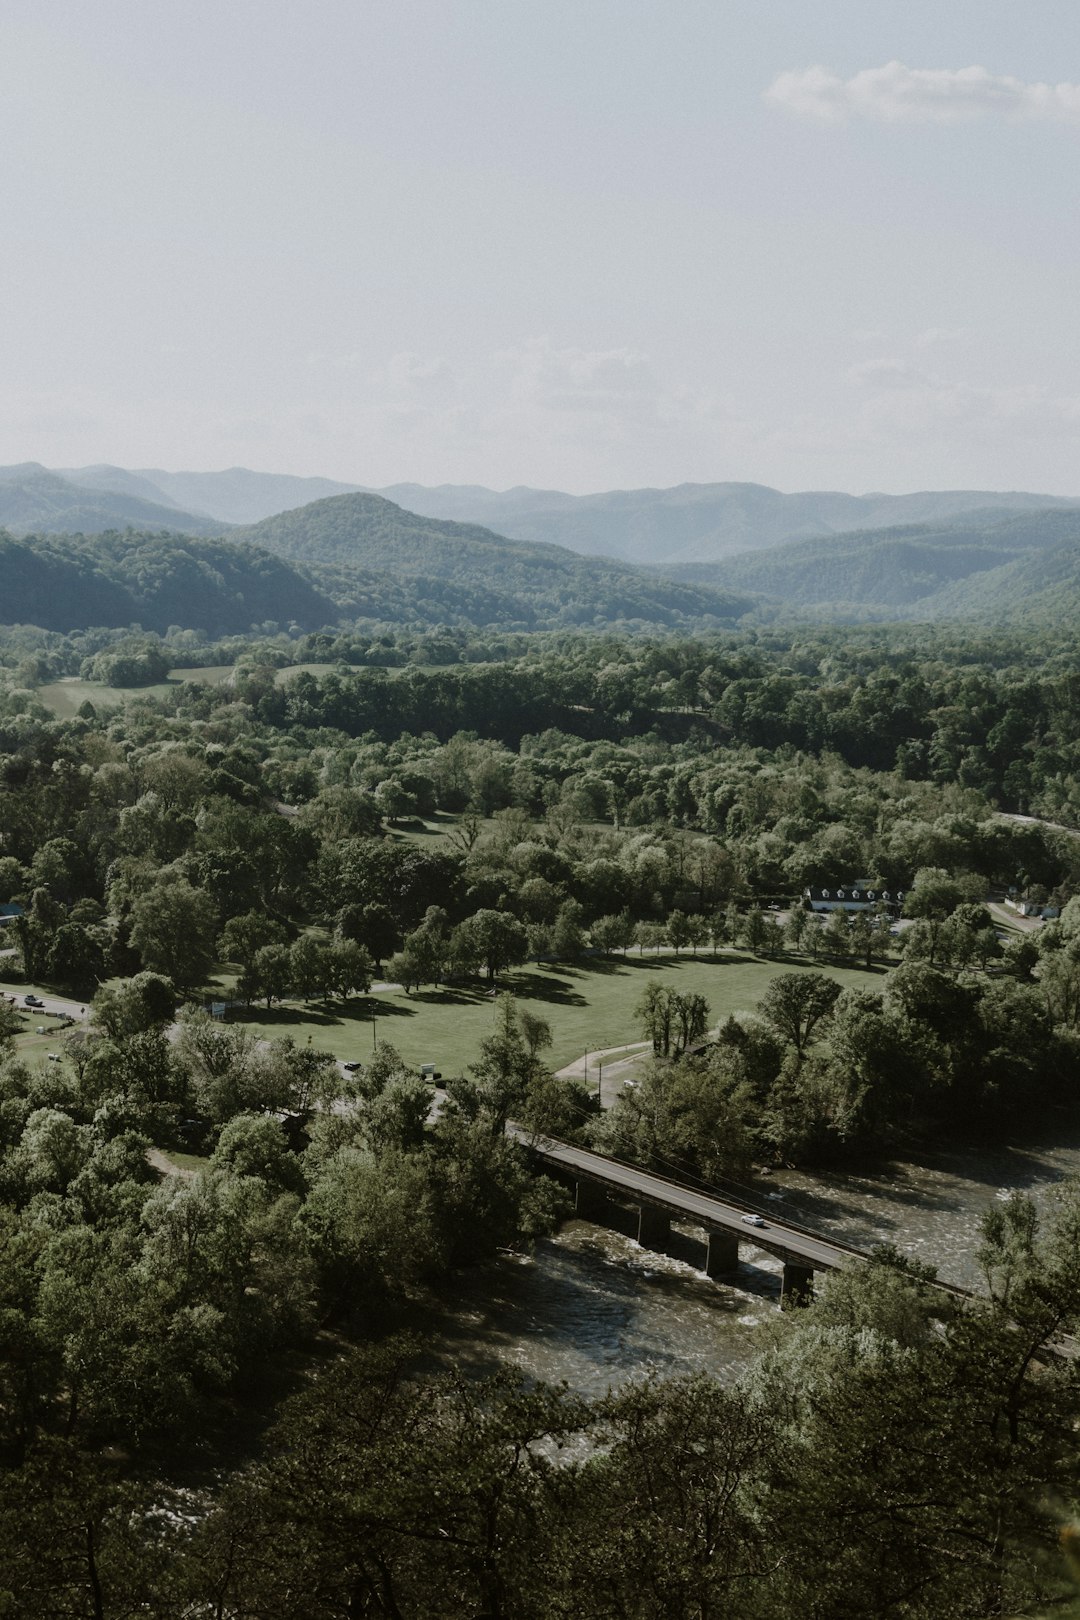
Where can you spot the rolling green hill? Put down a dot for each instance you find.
(1042, 588)
(515, 581)
(317, 568)
(975, 567)
(72, 582)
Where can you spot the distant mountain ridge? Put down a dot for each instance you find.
(990, 565)
(240, 496)
(34, 500)
(685, 524)
(697, 522)
(337, 561)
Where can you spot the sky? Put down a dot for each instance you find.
(577, 244)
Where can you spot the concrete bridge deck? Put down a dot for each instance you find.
(727, 1222)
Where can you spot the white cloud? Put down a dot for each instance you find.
(606, 381)
(414, 377)
(891, 374)
(900, 399)
(899, 94)
(934, 336)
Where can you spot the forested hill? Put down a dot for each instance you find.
(1040, 589)
(36, 501)
(114, 579)
(225, 588)
(697, 522)
(551, 584)
(993, 566)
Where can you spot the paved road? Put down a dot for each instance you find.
(609, 1069)
(58, 1005)
(1037, 821)
(706, 1208)
(1008, 919)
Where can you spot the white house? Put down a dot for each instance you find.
(853, 897)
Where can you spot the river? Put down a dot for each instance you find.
(593, 1309)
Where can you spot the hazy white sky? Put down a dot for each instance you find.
(573, 243)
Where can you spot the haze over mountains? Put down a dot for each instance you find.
(337, 561)
(993, 566)
(695, 522)
(524, 558)
(523, 582)
(689, 523)
(34, 500)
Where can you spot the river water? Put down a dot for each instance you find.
(593, 1309)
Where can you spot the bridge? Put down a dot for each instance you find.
(595, 1178)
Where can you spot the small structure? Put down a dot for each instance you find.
(857, 896)
(1033, 908)
(8, 913)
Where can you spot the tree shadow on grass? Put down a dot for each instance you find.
(607, 966)
(389, 1009)
(449, 996)
(286, 1017)
(319, 1015)
(544, 987)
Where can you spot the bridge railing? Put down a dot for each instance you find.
(535, 1140)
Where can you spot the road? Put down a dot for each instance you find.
(1037, 821)
(705, 1208)
(57, 1006)
(1012, 920)
(609, 1069)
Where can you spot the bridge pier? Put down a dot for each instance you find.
(653, 1227)
(722, 1254)
(590, 1201)
(797, 1287)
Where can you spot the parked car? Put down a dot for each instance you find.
(33, 1001)
(351, 1068)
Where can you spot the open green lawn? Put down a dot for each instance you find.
(186, 1161)
(590, 1006)
(292, 670)
(64, 697)
(35, 1049)
(437, 829)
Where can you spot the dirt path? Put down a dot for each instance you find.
(165, 1167)
(1037, 821)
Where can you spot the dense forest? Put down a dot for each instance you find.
(358, 558)
(206, 1404)
(331, 569)
(989, 566)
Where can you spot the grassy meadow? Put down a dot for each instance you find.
(63, 698)
(589, 1005)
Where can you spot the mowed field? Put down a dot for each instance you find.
(590, 1007)
(64, 697)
